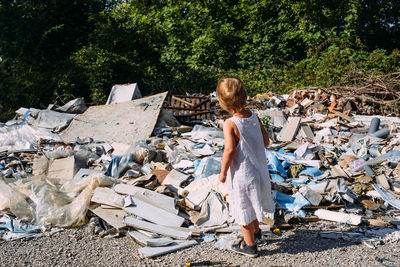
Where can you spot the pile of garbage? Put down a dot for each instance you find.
(133, 169)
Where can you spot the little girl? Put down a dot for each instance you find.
(244, 165)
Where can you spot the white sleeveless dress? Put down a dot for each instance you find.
(248, 180)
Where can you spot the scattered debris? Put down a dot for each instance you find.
(149, 168)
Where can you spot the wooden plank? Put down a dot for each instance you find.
(200, 103)
(185, 108)
(150, 252)
(343, 116)
(187, 96)
(182, 101)
(114, 217)
(159, 229)
(152, 213)
(194, 114)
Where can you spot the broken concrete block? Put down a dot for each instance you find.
(290, 129)
(306, 132)
(313, 197)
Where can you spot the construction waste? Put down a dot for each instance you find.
(131, 168)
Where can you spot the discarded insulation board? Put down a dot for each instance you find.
(159, 229)
(123, 92)
(114, 217)
(62, 170)
(387, 196)
(306, 132)
(107, 196)
(339, 217)
(126, 122)
(148, 241)
(158, 251)
(290, 129)
(165, 202)
(151, 213)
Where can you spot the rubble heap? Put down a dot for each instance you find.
(150, 177)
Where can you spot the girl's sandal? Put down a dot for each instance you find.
(242, 248)
(258, 237)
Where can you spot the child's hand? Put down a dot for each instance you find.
(222, 177)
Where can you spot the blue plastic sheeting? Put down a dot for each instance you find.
(199, 145)
(275, 165)
(26, 114)
(196, 164)
(329, 147)
(286, 164)
(113, 166)
(207, 167)
(313, 172)
(299, 181)
(16, 225)
(292, 204)
(1, 166)
(277, 178)
(208, 237)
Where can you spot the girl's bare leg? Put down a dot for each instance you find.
(248, 233)
(256, 226)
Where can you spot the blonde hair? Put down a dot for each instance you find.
(231, 93)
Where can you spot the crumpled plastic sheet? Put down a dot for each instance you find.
(139, 153)
(226, 241)
(292, 204)
(208, 166)
(23, 136)
(49, 119)
(206, 134)
(213, 211)
(39, 201)
(334, 189)
(75, 106)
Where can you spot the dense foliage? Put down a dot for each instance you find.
(52, 48)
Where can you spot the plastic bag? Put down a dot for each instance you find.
(208, 166)
(23, 136)
(15, 201)
(63, 206)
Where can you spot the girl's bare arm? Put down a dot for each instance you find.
(264, 134)
(230, 148)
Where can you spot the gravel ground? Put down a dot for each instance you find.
(301, 246)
